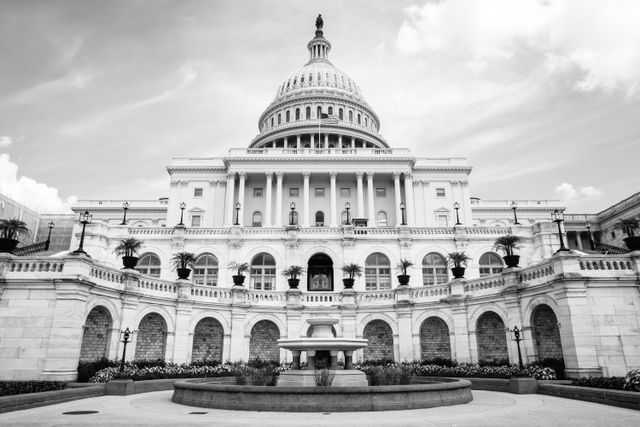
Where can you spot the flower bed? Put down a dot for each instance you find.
(631, 382)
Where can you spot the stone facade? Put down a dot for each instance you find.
(492, 340)
(151, 338)
(546, 333)
(207, 340)
(96, 336)
(434, 339)
(380, 337)
(263, 343)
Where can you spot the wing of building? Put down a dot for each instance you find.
(319, 187)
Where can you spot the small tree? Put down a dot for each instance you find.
(238, 267)
(403, 265)
(183, 260)
(629, 225)
(507, 244)
(293, 272)
(458, 259)
(128, 247)
(353, 270)
(13, 228)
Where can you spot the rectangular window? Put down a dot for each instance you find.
(197, 192)
(381, 192)
(443, 221)
(195, 221)
(440, 192)
(345, 192)
(319, 192)
(294, 192)
(257, 192)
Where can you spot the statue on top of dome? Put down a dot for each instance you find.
(319, 22)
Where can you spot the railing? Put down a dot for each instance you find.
(211, 294)
(609, 249)
(292, 151)
(36, 265)
(149, 231)
(376, 297)
(537, 274)
(266, 297)
(429, 293)
(483, 283)
(81, 204)
(320, 298)
(520, 203)
(32, 249)
(602, 266)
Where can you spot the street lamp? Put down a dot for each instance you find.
(588, 225)
(126, 335)
(402, 208)
(456, 206)
(183, 206)
(557, 217)
(347, 207)
(125, 208)
(238, 205)
(292, 215)
(517, 338)
(46, 244)
(514, 206)
(84, 219)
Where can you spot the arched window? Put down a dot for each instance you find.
(256, 219)
(279, 118)
(287, 116)
(351, 116)
(149, 264)
(382, 218)
(340, 114)
(490, 263)
(319, 219)
(263, 272)
(330, 110)
(310, 78)
(434, 269)
(377, 272)
(297, 114)
(205, 271)
(366, 122)
(318, 112)
(359, 118)
(308, 113)
(319, 78)
(271, 121)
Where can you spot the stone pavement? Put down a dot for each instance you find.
(487, 409)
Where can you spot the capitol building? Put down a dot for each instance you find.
(319, 187)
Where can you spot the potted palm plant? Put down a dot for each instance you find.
(240, 269)
(182, 262)
(631, 227)
(402, 267)
(508, 244)
(458, 260)
(353, 271)
(292, 273)
(128, 249)
(10, 230)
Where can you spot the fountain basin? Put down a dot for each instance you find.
(336, 344)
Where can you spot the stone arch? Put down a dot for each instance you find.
(208, 338)
(217, 316)
(435, 341)
(380, 336)
(545, 333)
(491, 338)
(263, 341)
(96, 334)
(151, 340)
(160, 310)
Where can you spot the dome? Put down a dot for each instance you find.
(319, 95)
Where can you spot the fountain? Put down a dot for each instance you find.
(322, 340)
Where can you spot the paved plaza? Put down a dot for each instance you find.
(487, 409)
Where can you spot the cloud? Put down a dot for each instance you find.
(568, 192)
(28, 191)
(597, 38)
(5, 141)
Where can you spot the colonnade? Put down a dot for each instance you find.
(318, 140)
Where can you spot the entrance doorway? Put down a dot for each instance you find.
(320, 273)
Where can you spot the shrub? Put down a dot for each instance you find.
(248, 375)
(323, 377)
(498, 362)
(8, 388)
(556, 364)
(86, 370)
(632, 380)
(205, 362)
(442, 361)
(613, 383)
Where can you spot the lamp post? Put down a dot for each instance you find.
(517, 338)
(456, 206)
(48, 242)
(557, 217)
(514, 206)
(183, 205)
(347, 207)
(402, 208)
(292, 214)
(126, 335)
(238, 206)
(125, 208)
(84, 219)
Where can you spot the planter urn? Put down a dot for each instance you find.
(183, 273)
(7, 245)
(511, 260)
(633, 243)
(129, 261)
(348, 283)
(238, 280)
(293, 283)
(458, 272)
(403, 279)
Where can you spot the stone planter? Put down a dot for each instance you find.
(511, 260)
(129, 261)
(348, 283)
(183, 273)
(8, 245)
(458, 272)
(238, 280)
(403, 279)
(293, 283)
(633, 243)
(523, 385)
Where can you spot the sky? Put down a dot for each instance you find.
(541, 97)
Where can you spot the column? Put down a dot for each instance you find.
(353, 142)
(334, 222)
(211, 220)
(425, 195)
(267, 199)
(396, 190)
(278, 221)
(312, 144)
(370, 194)
(360, 195)
(243, 177)
(408, 195)
(231, 180)
(463, 203)
(298, 142)
(339, 141)
(305, 195)
(326, 140)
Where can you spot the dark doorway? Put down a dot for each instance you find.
(320, 273)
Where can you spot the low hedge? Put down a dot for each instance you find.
(9, 388)
(630, 382)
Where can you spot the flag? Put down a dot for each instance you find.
(328, 119)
